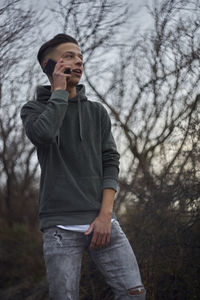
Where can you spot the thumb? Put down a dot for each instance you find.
(90, 229)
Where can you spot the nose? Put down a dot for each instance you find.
(78, 61)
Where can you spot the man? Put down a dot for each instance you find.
(79, 169)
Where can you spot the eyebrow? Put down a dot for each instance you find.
(71, 52)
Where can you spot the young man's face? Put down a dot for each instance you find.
(72, 55)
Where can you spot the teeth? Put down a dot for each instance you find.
(77, 71)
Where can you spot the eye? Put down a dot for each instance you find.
(68, 55)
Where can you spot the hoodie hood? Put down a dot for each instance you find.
(43, 93)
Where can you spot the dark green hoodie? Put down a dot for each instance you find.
(76, 152)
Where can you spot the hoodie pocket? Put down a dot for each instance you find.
(76, 194)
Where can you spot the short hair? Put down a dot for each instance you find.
(50, 45)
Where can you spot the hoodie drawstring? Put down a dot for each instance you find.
(80, 124)
(80, 119)
(59, 139)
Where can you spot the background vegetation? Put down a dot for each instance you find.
(148, 79)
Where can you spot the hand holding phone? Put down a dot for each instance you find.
(59, 77)
(50, 66)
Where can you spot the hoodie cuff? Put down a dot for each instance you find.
(59, 94)
(110, 184)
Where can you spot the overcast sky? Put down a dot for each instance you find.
(141, 18)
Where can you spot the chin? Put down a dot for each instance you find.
(73, 83)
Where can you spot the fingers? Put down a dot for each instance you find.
(93, 244)
(107, 239)
(99, 240)
(101, 233)
(61, 72)
(61, 79)
(89, 230)
(61, 66)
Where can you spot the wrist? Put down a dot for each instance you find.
(58, 88)
(106, 216)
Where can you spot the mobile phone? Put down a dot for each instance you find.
(49, 68)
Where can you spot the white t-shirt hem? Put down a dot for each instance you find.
(78, 228)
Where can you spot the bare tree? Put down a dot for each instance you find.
(17, 169)
(152, 95)
(150, 88)
(94, 24)
(149, 84)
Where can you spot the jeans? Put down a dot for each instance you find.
(63, 251)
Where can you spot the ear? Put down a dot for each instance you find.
(44, 63)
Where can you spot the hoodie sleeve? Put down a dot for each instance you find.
(42, 121)
(110, 156)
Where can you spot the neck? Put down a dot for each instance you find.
(71, 90)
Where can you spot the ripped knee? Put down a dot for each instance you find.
(136, 291)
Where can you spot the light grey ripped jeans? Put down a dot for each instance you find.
(63, 251)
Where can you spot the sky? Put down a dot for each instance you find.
(136, 8)
(141, 18)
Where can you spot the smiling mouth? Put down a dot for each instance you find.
(77, 71)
